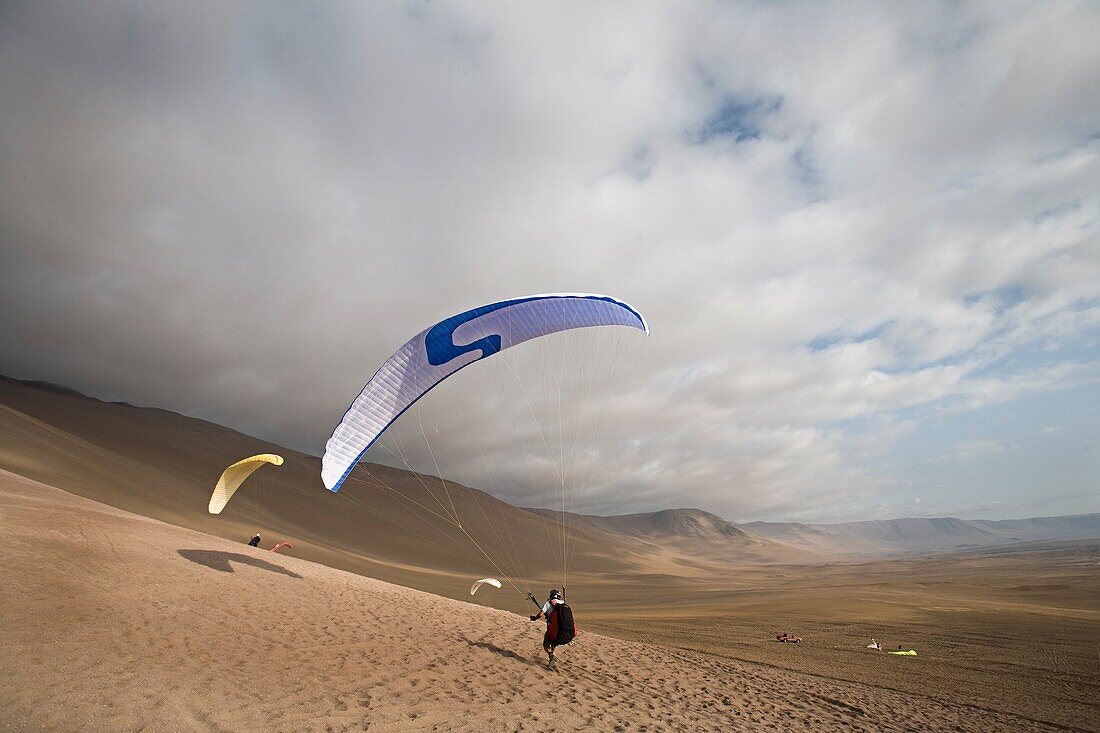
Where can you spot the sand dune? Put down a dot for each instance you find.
(1006, 635)
(117, 622)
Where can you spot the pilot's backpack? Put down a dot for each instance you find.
(567, 629)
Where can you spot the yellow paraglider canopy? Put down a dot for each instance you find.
(235, 475)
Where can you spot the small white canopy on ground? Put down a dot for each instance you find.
(491, 581)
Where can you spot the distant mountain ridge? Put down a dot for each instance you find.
(935, 534)
(684, 522)
(870, 538)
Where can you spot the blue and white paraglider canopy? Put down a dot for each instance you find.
(438, 352)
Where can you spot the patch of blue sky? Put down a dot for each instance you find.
(1057, 212)
(807, 172)
(1001, 298)
(828, 340)
(1003, 356)
(1019, 363)
(1081, 350)
(639, 164)
(1048, 347)
(872, 424)
(737, 118)
(688, 375)
(1038, 454)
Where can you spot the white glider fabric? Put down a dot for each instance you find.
(438, 352)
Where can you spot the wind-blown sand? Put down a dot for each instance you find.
(113, 621)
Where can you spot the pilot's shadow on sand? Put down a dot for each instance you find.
(220, 561)
(502, 652)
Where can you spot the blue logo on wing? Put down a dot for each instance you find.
(440, 344)
(439, 341)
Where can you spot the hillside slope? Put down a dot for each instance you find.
(692, 532)
(115, 622)
(385, 522)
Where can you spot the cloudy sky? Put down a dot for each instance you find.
(866, 236)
